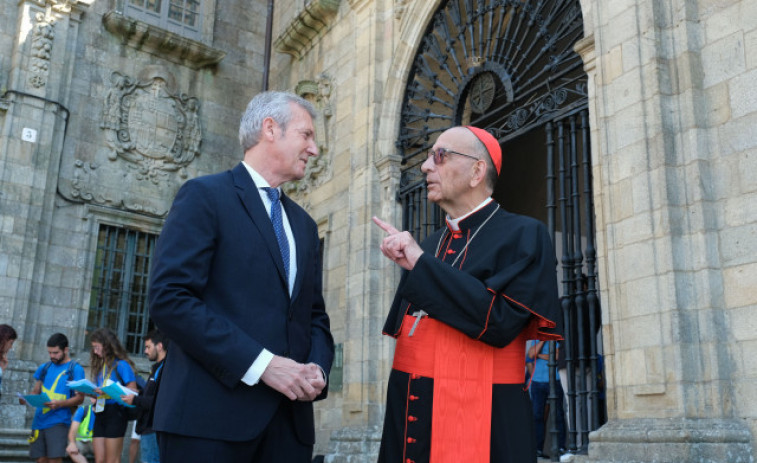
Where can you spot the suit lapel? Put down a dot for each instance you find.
(248, 194)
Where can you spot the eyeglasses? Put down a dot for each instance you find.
(439, 153)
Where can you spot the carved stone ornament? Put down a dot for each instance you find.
(318, 170)
(155, 130)
(152, 135)
(43, 35)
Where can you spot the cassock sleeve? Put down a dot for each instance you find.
(499, 295)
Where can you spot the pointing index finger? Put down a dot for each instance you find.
(385, 226)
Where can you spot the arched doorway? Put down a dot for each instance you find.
(509, 66)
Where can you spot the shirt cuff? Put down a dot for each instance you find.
(252, 377)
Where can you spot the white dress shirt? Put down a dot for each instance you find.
(252, 376)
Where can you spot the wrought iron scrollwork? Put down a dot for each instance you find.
(499, 64)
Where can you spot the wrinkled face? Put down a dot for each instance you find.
(97, 349)
(151, 350)
(294, 146)
(57, 355)
(450, 179)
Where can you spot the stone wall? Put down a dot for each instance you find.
(102, 118)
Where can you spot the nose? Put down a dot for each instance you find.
(427, 165)
(312, 148)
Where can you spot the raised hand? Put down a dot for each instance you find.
(399, 247)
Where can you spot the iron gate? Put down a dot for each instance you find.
(509, 66)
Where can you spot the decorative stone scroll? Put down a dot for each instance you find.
(318, 92)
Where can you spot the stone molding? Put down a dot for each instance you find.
(160, 42)
(670, 440)
(299, 36)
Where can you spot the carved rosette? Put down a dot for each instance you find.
(318, 92)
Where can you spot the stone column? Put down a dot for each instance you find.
(658, 98)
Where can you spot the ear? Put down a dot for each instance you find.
(269, 129)
(479, 173)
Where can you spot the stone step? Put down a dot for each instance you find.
(14, 447)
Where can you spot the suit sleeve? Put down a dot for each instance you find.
(181, 267)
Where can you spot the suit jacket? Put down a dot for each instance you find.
(218, 290)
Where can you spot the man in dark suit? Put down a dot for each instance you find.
(236, 286)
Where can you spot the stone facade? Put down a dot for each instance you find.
(103, 117)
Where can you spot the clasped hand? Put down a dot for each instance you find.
(399, 247)
(297, 381)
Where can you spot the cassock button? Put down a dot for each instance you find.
(413, 397)
(457, 235)
(410, 440)
(412, 419)
(409, 461)
(450, 251)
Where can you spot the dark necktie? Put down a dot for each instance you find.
(278, 227)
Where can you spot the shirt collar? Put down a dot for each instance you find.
(454, 224)
(260, 182)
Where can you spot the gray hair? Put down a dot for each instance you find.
(273, 104)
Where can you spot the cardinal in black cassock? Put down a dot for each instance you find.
(473, 294)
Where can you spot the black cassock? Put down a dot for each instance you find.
(503, 282)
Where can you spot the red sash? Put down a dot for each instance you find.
(463, 370)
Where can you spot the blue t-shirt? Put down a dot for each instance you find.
(55, 387)
(541, 370)
(125, 376)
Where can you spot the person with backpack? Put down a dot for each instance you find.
(109, 360)
(80, 434)
(51, 422)
(155, 349)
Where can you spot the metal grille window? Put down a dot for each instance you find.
(180, 16)
(119, 284)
